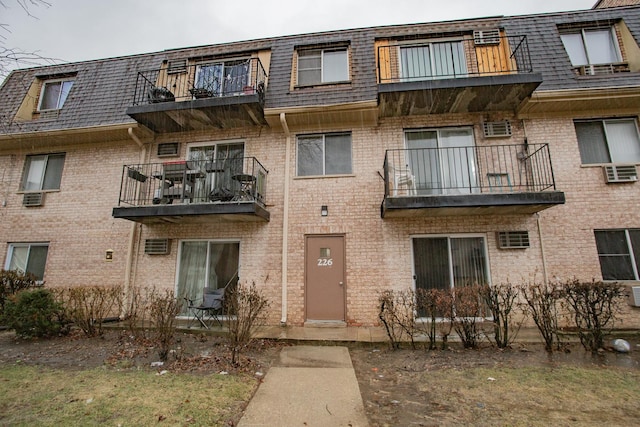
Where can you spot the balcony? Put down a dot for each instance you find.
(469, 75)
(193, 191)
(498, 179)
(203, 96)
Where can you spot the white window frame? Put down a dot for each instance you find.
(324, 153)
(634, 266)
(26, 171)
(582, 32)
(29, 245)
(606, 138)
(322, 52)
(59, 105)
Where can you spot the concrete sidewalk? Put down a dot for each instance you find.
(308, 386)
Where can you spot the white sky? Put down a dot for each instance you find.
(78, 30)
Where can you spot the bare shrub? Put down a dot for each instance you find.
(594, 307)
(436, 306)
(137, 314)
(397, 314)
(500, 301)
(542, 304)
(466, 316)
(12, 282)
(163, 309)
(246, 309)
(88, 306)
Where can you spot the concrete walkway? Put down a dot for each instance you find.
(308, 386)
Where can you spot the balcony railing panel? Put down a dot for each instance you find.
(194, 182)
(518, 168)
(212, 79)
(400, 63)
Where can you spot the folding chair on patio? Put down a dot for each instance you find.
(209, 308)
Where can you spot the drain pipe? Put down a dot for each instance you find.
(285, 218)
(134, 228)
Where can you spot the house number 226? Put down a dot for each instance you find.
(325, 262)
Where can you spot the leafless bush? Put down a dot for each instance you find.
(246, 309)
(163, 309)
(542, 304)
(397, 314)
(594, 307)
(436, 306)
(500, 301)
(88, 306)
(12, 282)
(137, 316)
(467, 313)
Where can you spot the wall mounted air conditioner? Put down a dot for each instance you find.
(32, 199)
(620, 173)
(486, 37)
(635, 296)
(168, 149)
(156, 246)
(499, 129)
(177, 66)
(513, 239)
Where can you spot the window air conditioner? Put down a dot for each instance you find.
(620, 173)
(32, 199)
(486, 37)
(168, 149)
(513, 239)
(156, 246)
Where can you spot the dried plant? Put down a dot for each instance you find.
(397, 314)
(542, 301)
(501, 301)
(163, 309)
(88, 306)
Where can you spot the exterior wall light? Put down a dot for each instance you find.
(324, 210)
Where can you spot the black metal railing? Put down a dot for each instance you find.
(202, 80)
(493, 169)
(194, 181)
(399, 63)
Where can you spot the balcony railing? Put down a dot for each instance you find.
(193, 182)
(519, 168)
(400, 63)
(212, 79)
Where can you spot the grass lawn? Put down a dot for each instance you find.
(39, 396)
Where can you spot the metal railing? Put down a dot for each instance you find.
(517, 168)
(399, 63)
(194, 181)
(202, 80)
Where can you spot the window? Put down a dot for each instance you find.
(207, 264)
(322, 66)
(220, 163)
(433, 60)
(221, 78)
(28, 258)
(324, 154)
(442, 161)
(608, 141)
(619, 253)
(449, 262)
(54, 93)
(591, 47)
(42, 172)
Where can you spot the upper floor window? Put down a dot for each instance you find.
(591, 47)
(619, 253)
(42, 172)
(54, 93)
(328, 154)
(608, 141)
(28, 258)
(316, 66)
(433, 60)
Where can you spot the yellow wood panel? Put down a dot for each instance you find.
(495, 59)
(384, 60)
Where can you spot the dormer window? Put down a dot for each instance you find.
(53, 94)
(591, 49)
(321, 66)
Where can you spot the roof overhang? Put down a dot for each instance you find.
(363, 113)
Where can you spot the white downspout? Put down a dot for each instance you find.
(134, 228)
(285, 218)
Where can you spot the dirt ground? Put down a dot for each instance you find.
(391, 382)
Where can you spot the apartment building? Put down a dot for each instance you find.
(328, 167)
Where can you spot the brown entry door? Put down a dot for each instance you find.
(325, 278)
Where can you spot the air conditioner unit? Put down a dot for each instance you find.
(513, 239)
(499, 129)
(177, 66)
(635, 296)
(486, 37)
(168, 149)
(620, 173)
(156, 246)
(32, 199)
